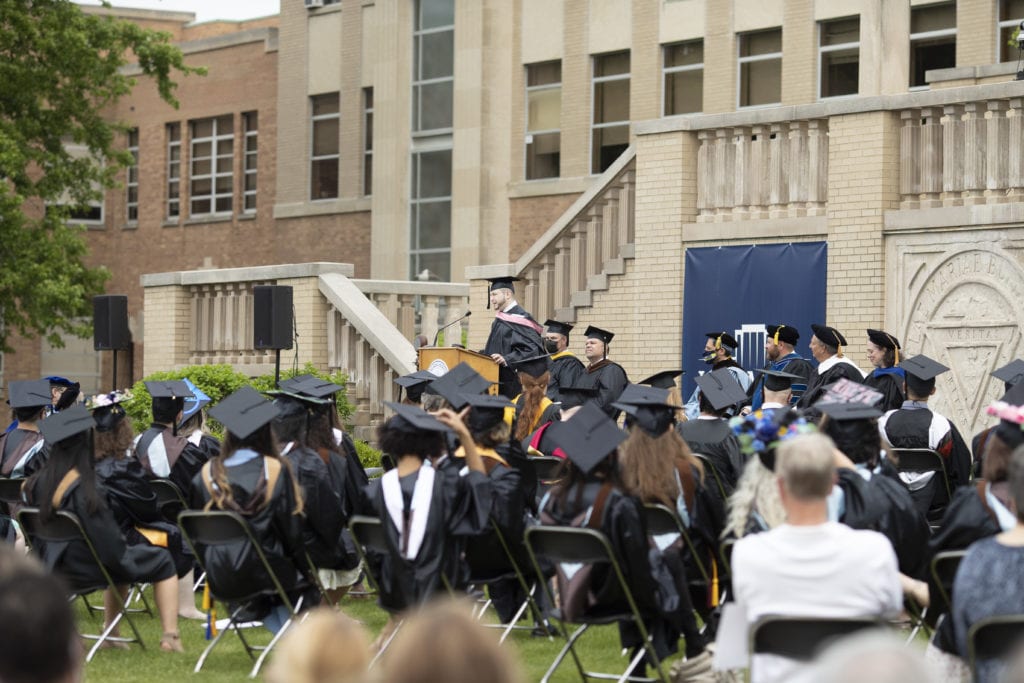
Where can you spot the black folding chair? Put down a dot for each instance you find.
(800, 637)
(546, 468)
(169, 499)
(663, 520)
(368, 533)
(943, 568)
(572, 545)
(10, 490)
(923, 460)
(219, 527)
(994, 637)
(65, 527)
(710, 467)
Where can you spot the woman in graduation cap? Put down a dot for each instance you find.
(251, 479)
(887, 377)
(532, 407)
(68, 482)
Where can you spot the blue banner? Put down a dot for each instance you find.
(741, 289)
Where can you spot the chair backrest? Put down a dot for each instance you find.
(918, 460)
(994, 637)
(725, 551)
(10, 490)
(799, 637)
(663, 520)
(545, 467)
(167, 492)
(569, 544)
(62, 527)
(368, 532)
(943, 568)
(710, 467)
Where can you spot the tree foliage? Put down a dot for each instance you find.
(60, 72)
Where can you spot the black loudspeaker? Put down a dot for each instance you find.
(110, 323)
(272, 317)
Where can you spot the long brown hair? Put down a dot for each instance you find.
(113, 443)
(648, 465)
(534, 389)
(262, 441)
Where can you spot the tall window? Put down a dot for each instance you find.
(323, 176)
(367, 141)
(1011, 13)
(132, 184)
(173, 170)
(211, 171)
(543, 120)
(932, 40)
(250, 126)
(610, 125)
(91, 211)
(683, 78)
(760, 67)
(430, 202)
(838, 57)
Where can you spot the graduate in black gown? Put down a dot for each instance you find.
(532, 407)
(827, 348)
(887, 377)
(710, 434)
(29, 402)
(192, 424)
(252, 480)
(1010, 374)
(514, 335)
(414, 383)
(540, 442)
(608, 377)
(163, 452)
(68, 482)
(566, 368)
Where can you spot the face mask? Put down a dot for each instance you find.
(551, 346)
(709, 358)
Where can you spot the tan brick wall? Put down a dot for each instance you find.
(530, 217)
(645, 63)
(338, 238)
(976, 33)
(576, 92)
(799, 53)
(719, 59)
(167, 330)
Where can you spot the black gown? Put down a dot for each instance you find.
(126, 563)
(18, 448)
(184, 457)
(549, 414)
(515, 342)
(324, 515)
(458, 509)
(714, 438)
(609, 378)
(566, 370)
(889, 381)
(819, 383)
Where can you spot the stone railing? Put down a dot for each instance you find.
(773, 170)
(419, 308)
(589, 243)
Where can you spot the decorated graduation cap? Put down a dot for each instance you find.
(846, 412)
(847, 391)
(830, 335)
(761, 431)
(244, 411)
(1010, 411)
(665, 379)
(66, 423)
(1011, 374)
(722, 339)
(414, 383)
(194, 403)
(573, 395)
(884, 340)
(923, 367)
(648, 408)
(458, 381)
(107, 410)
(721, 389)
(534, 366)
(504, 282)
(413, 419)
(486, 411)
(558, 327)
(588, 437)
(29, 393)
(777, 380)
(783, 333)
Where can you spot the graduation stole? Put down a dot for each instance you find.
(519, 320)
(271, 472)
(563, 354)
(487, 453)
(412, 528)
(545, 403)
(151, 450)
(69, 480)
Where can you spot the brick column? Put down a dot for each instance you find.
(719, 59)
(976, 33)
(166, 330)
(799, 53)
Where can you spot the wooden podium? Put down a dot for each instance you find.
(441, 359)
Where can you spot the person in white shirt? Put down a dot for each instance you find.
(809, 566)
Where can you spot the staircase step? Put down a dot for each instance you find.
(627, 251)
(567, 315)
(614, 266)
(580, 299)
(597, 282)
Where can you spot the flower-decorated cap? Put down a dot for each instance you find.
(107, 409)
(762, 430)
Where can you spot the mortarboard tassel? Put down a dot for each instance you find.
(714, 583)
(210, 605)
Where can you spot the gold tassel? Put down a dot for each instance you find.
(210, 605)
(714, 583)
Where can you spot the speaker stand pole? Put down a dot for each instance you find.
(114, 382)
(277, 368)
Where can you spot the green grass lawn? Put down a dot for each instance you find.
(599, 648)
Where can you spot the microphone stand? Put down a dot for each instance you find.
(442, 329)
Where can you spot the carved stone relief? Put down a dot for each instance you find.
(958, 297)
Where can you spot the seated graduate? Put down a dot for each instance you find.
(68, 482)
(592, 495)
(709, 433)
(657, 467)
(130, 496)
(325, 514)
(192, 424)
(532, 407)
(310, 385)
(163, 452)
(1010, 374)
(426, 514)
(573, 397)
(666, 379)
(414, 383)
(29, 401)
(251, 479)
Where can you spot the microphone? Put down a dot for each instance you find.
(442, 329)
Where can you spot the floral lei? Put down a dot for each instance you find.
(760, 431)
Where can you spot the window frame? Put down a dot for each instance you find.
(416, 111)
(528, 134)
(666, 71)
(822, 49)
(215, 171)
(248, 132)
(129, 183)
(594, 82)
(927, 35)
(173, 129)
(313, 157)
(1002, 23)
(368, 141)
(768, 56)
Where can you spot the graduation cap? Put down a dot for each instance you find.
(66, 423)
(558, 327)
(458, 381)
(316, 387)
(573, 396)
(292, 383)
(588, 437)
(884, 340)
(721, 389)
(414, 383)
(777, 380)
(640, 395)
(665, 379)
(29, 393)
(829, 335)
(413, 419)
(783, 333)
(1011, 373)
(487, 411)
(292, 403)
(58, 381)
(722, 339)
(597, 333)
(169, 389)
(923, 367)
(1008, 410)
(847, 391)
(107, 409)
(504, 282)
(194, 403)
(648, 407)
(846, 412)
(244, 411)
(534, 366)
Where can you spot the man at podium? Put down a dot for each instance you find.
(514, 336)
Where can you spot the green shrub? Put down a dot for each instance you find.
(368, 455)
(218, 381)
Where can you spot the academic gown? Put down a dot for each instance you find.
(549, 414)
(706, 516)
(566, 370)
(792, 363)
(165, 455)
(821, 381)
(18, 448)
(714, 438)
(515, 342)
(889, 381)
(609, 378)
(234, 570)
(126, 563)
(346, 480)
(131, 499)
(324, 516)
(456, 508)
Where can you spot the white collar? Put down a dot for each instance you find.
(771, 404)
(512, 304)
(829, 363)
(419, 509)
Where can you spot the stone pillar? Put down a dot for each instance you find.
(976, 33)
(719, 59)
(166, 334)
